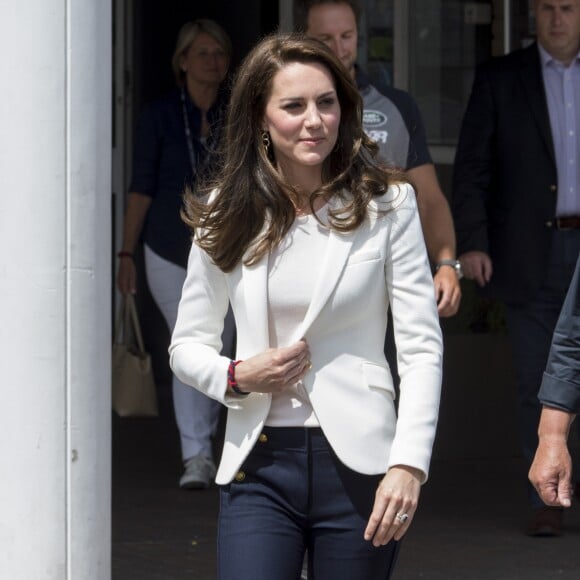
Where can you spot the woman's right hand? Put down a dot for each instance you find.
(275, 369)
(127, 276)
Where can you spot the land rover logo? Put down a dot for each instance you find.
(373, 118)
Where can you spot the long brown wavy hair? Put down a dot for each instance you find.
(252, 207)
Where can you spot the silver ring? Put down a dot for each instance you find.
(402, 517)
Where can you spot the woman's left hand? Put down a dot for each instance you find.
(397, 496)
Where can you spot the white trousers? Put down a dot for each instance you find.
(196, 415)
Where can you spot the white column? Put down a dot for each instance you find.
(55, 288)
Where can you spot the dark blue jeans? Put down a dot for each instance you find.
(293, 495)
(531, 327)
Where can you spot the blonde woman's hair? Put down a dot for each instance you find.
(188, 33)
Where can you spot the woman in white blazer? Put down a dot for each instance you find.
(311, 241)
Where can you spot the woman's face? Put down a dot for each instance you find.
(205, 61)
(302, 116)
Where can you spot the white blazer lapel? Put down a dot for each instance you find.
(337, 252)
(255, 279)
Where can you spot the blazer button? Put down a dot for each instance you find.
(549, 224)
(240, 476)
(553, 187)
(263, 438)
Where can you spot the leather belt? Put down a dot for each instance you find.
(571, 222)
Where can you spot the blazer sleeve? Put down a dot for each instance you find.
(473, 166)
(196, 340)
(561, 382)
(417, 337)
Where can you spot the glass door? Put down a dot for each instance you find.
(522, 25)
(377, 41)
(447, 38)
(430, 48)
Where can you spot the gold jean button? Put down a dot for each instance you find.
(240, 476)
(263, 438)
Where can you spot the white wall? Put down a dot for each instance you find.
(55, 289)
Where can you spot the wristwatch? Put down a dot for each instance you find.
(455, 264)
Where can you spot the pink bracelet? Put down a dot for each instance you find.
(232, 383)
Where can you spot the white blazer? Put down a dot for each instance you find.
(382, 262)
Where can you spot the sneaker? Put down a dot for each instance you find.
(198, 474)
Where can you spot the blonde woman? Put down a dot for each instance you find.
(174, 146)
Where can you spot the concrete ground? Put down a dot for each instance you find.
(469, 525)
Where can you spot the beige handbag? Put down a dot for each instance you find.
(134, 392)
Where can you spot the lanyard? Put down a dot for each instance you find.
(193, 157)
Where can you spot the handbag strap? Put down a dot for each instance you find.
(126, 315)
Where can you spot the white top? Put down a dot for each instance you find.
(289, 296)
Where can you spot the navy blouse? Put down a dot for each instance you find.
(162, 168)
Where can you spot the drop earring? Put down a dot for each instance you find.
(266, 142)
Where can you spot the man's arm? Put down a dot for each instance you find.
(434, 211)
(439, 235)
(560, 386)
